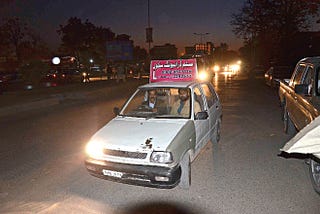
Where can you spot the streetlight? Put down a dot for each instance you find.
(56, 60)
(201, 35)
(149, 29)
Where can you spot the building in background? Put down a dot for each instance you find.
(206, 48)
(190, 50)
(166, 51)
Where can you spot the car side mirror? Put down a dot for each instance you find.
(116, 111)
(301, 89)
(203, 115)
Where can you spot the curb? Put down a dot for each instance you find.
(58, 98)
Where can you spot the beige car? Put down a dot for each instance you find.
(152, 144)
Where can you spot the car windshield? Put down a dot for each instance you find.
(159, 103)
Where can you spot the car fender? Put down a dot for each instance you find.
(184, 141)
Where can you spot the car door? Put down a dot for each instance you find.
(213, 105)
(303, 109)
(291, 96)
(201, 125)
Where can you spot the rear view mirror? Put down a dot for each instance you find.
(301, 89)
(203, 115)
(116, 111)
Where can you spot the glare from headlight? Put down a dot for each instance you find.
(161, 157)
(203, 75)
(94, 149)
(216, 68)
(84, 74)
(235, 67)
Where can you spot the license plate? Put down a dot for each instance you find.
(112, 173)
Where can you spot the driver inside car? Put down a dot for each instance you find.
(152, 102)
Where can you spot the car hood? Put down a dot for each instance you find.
(135, 134)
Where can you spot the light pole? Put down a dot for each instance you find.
(149, 29)
(201, 35)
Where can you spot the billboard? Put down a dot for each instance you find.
(176, 70)
(119, 50)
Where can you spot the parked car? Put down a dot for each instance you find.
(73, 76)
(276, 73)
(94, 74)
(257, 70)
(6, 78)
(307, 142)
(300, 96)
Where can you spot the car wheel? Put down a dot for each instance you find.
(215, 137)
(185, 180)
(314, 171)
(289, 127)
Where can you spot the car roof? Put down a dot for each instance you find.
(170, 84)
(312, 60)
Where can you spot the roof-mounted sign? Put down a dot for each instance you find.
(175, 70)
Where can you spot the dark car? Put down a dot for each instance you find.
(73, 76)
(62, 76)
(6, 78)
(276, 73)
(94, 74)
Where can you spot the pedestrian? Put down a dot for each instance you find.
(121, 73)
(109, 71)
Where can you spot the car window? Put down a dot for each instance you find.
(298, 75)
(159, 103)
(308, 79)
(318, 81)
(308, 75)
(208, 92)
(198, 100)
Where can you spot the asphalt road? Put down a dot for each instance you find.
(42, 170)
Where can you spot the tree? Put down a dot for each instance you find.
(223, 55)
(84, 40)
(265, 25)
(13, 34)
(18, 41)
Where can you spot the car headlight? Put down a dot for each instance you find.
(203, 75)
(216, 68)
(94, 149)
(161, 157)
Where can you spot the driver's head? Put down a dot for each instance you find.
(152, 95)
(183, 94)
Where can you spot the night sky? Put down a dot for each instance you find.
(173, 21)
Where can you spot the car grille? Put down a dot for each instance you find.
(136, 155)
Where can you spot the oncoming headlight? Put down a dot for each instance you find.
(203, 75)
(216, 68)
(161, 157)
(94, 149)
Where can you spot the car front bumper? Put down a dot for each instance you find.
(139, 175)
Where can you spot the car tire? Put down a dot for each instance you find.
(215, 136)
(314, 171)
(289, 127)
(185, 180)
